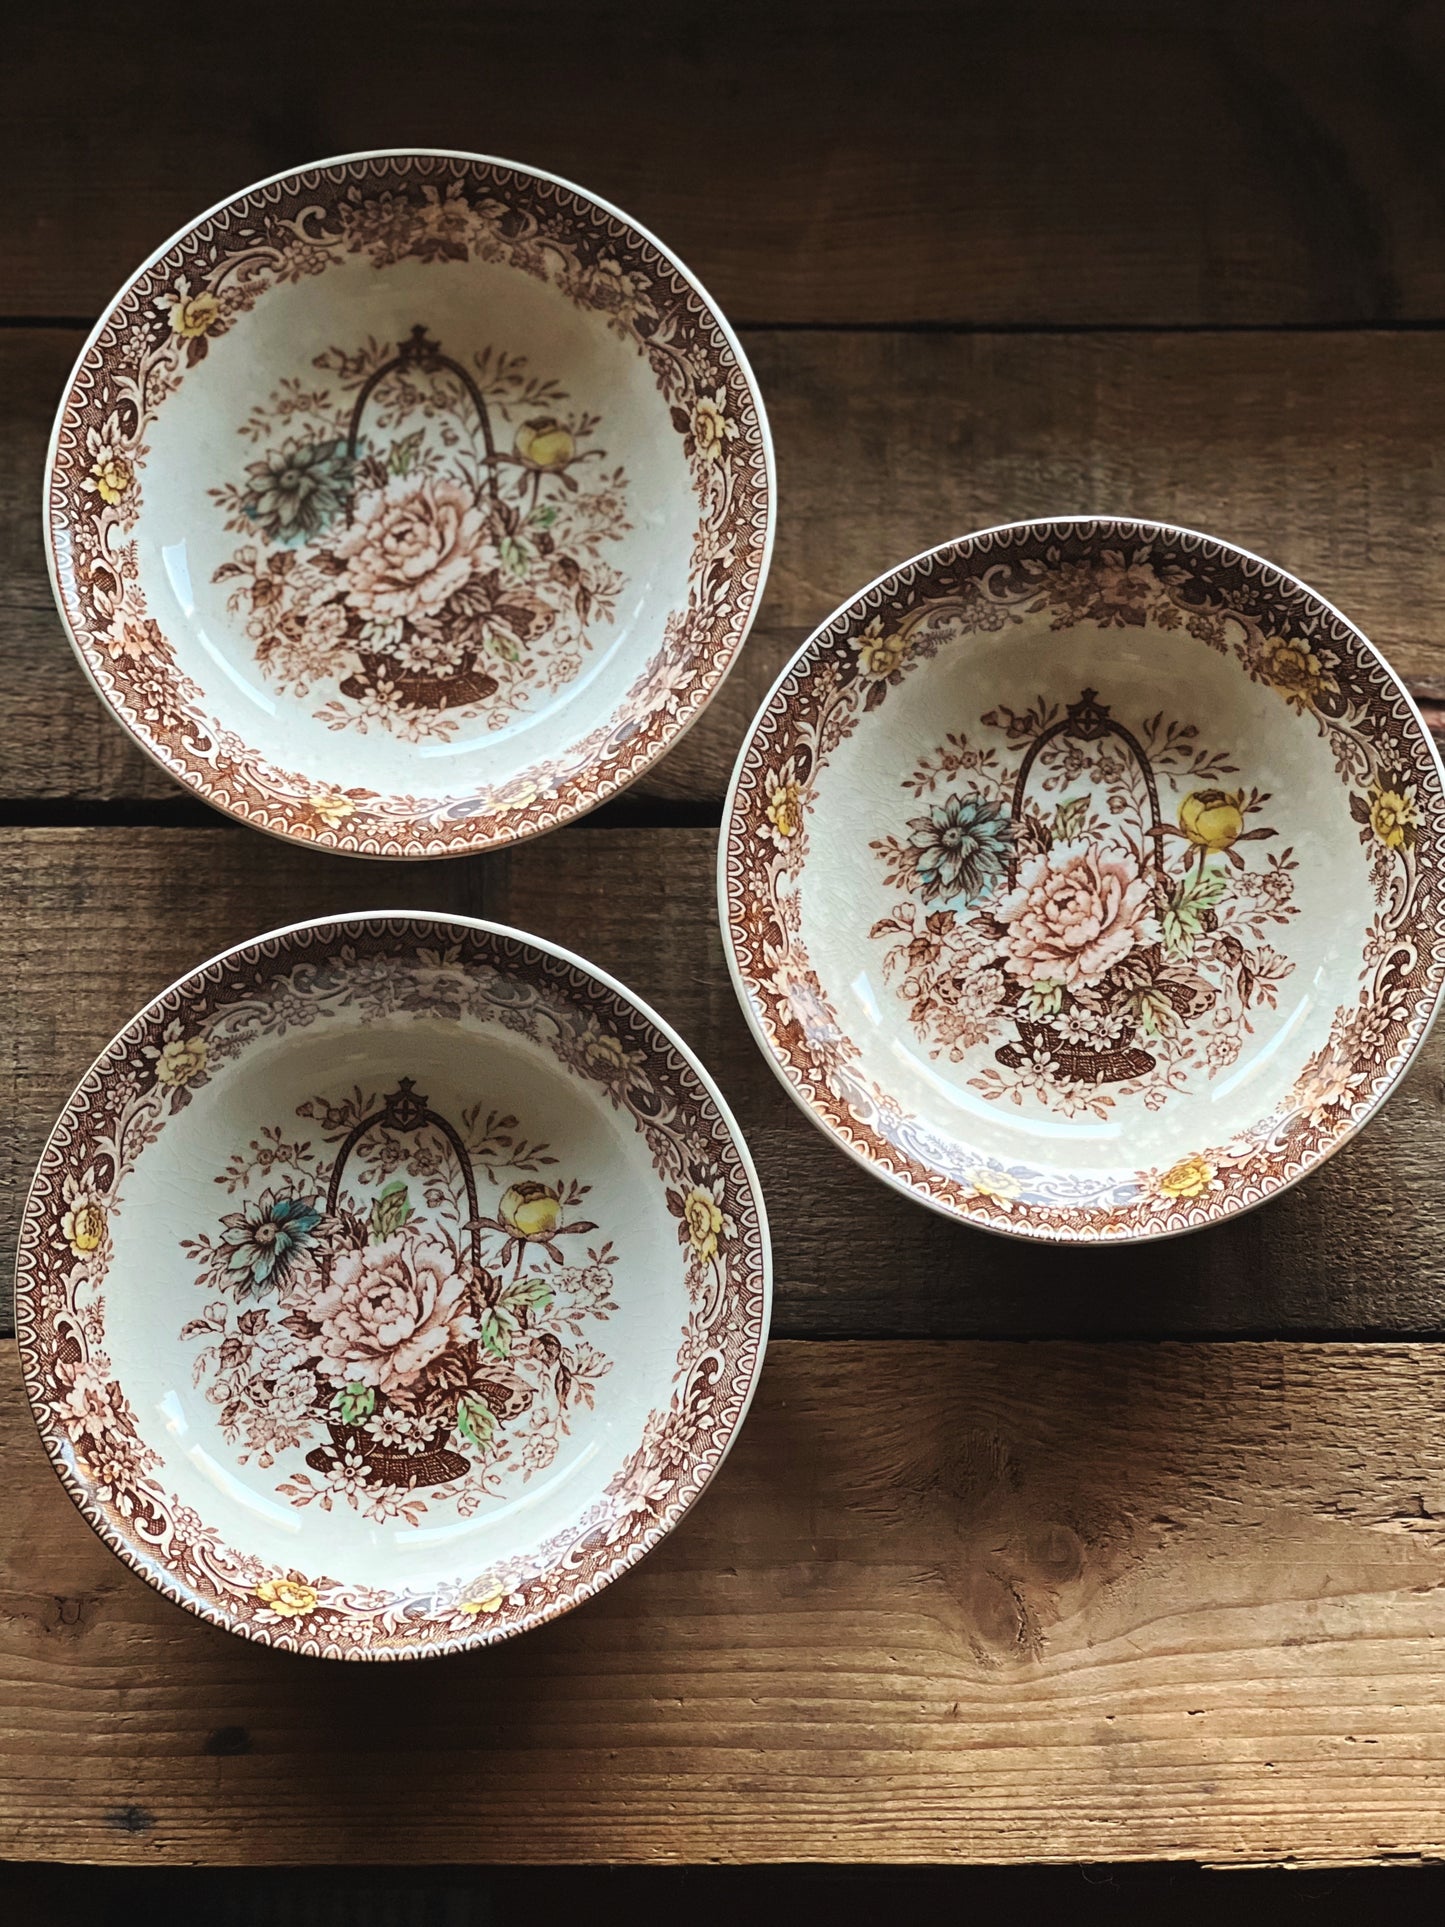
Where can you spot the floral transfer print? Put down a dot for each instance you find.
(1066, 928)
(1057, 921)
(428, 538)
(391, 581)
(375, 1336)
(368, 1301)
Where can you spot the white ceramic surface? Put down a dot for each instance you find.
(1083, 878)
(409, 503)
(391, 1284)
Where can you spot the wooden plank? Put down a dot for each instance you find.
(104, 919)
(956, 1602)
(1136, 162)
(1319, 451)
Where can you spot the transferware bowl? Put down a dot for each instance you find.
(1082, 879)
(390, 1285)
(409, 504)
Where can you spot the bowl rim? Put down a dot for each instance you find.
(1049, 1235)
(156, 1575)
(720, 663)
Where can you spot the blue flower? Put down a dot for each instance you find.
(297, 489)
(265, 1237)
(960, 847)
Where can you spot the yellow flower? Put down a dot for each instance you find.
(704, 1222)
(83, 1227)
(286, 1597)
(472, 1607)
(1212, 819)
(333, 808)
(193, 315)
(998, 1185)
(1188, 1178)
(607, 1052)
(544, 443)
(711, 429)
(531, 1210)
(111, 476)
(181, 1060)
(1297, 673)
(879, 655)
(785, 807)
(1393, 818)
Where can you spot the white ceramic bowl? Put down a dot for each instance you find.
(391, 1284)
(409, 503)
(1083, 879)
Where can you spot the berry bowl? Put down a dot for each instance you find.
(409, 504)
(390, 1285)
(1082, 879)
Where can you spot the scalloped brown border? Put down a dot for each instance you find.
(691, 1444)
(866, 1122)
(165, 713)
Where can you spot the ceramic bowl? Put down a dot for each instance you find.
(409, 504)
(1082, 879)
(391, 1284)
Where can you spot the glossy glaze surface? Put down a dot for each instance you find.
(409, 503)
(390, 1285)
(1083, 878)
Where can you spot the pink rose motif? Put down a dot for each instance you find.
(1074, 913)
(389, 1311)
(411, 546)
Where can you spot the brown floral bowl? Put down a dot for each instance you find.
(390, 1285)
(409, 504)
(1083, 879)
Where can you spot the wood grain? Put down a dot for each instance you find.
(1319, 451)
(1141, 162)
(945, 1602)
(102, 920)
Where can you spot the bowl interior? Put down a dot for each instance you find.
(1081, 879)
(399, 1292)
(366, 655)
(380, 484)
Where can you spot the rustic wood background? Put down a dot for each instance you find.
(1167, 1586)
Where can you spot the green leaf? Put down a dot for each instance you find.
(1070, 818)
(355, 1403)
(404, 452)
(497, 1328)
(1044, 998)
(1182, 922)
(390, 1209)
(515, 555)
(543, 516)
(1154, 1011)
(531, 1294)
(475, 1419)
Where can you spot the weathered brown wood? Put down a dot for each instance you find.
(1138, 162)
(100, 920)
(949, 1602)
(1319, 451)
